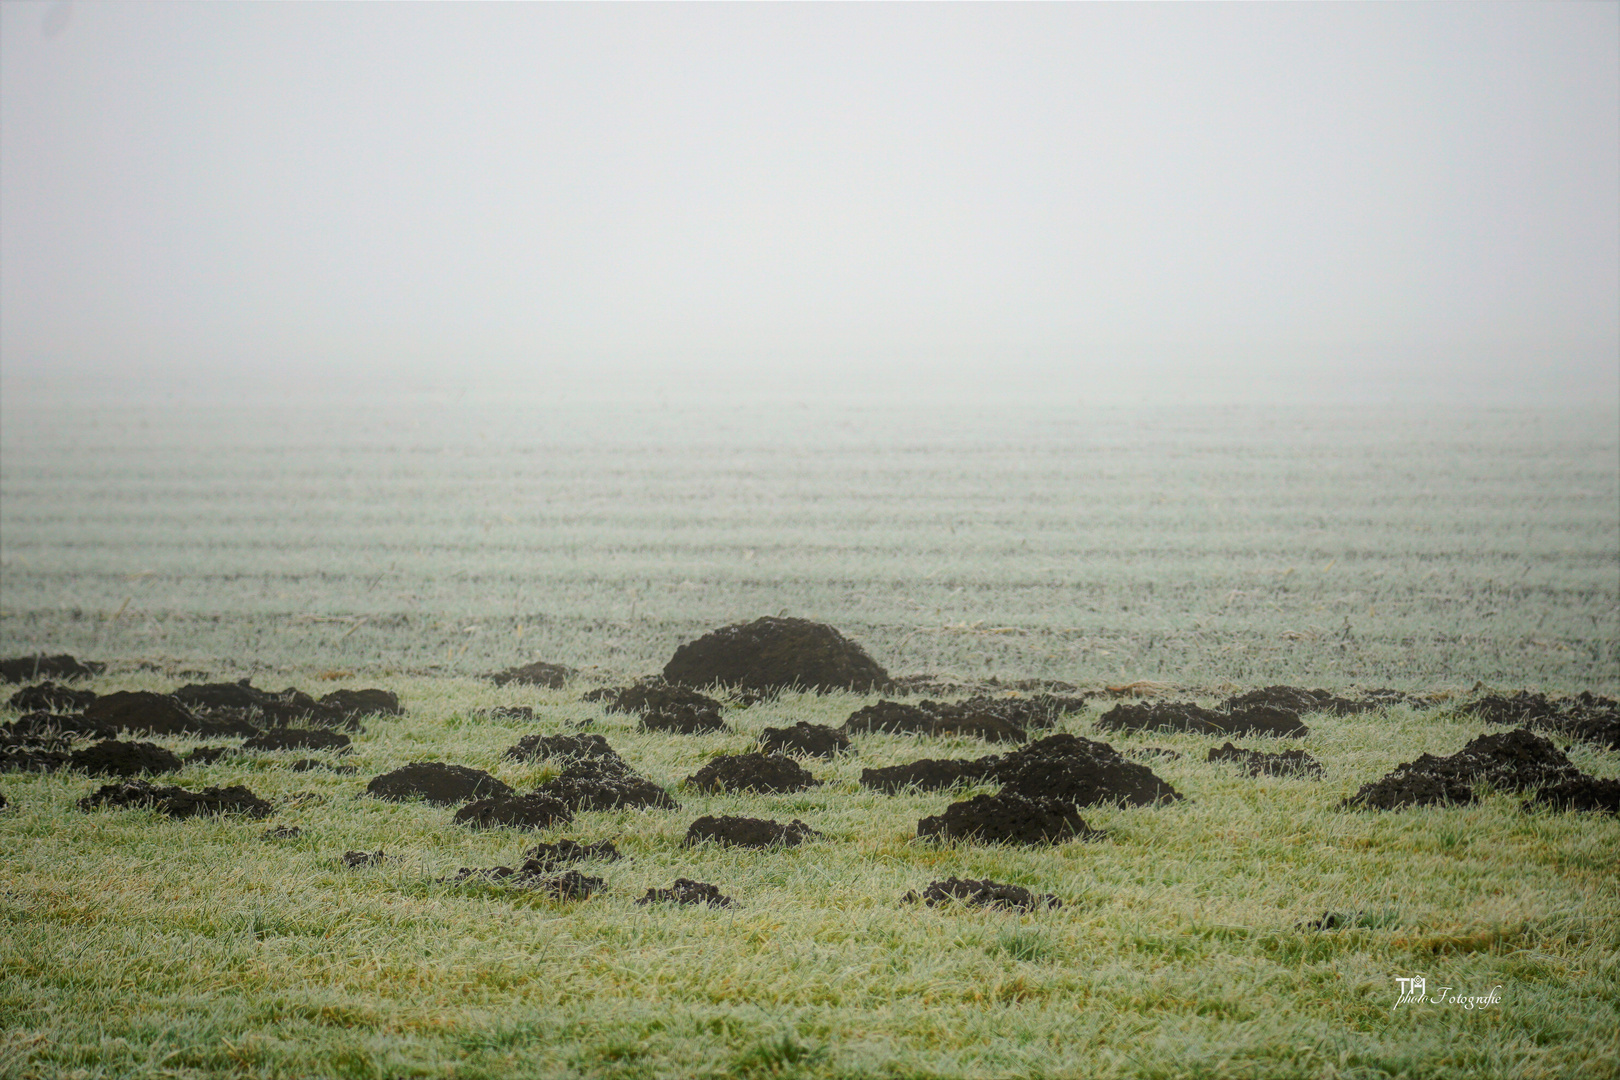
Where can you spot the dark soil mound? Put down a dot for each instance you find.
(776, 654)
(927, 775)
(571, 885)
(1080, 772)
(984, 893)
(539, 747)
(551, 676)
(1007, 819)
(1587, 717)
(1582, 793)
(749, 832)
(604, 784)
(1299, 701)
(26, 668)
(1020, 713)
(1513, 761)
(33, 758)
(566, 852)
(1259, 763)
(507, 712)
(687, 891)
(652, 694)
(438, 783)
(682, 720)
(354, 704)
(753, 772)
(517, 811)
(311, 764)
(177, 801)
(242, 703)
(927, 719)
(808, 740)
(354, 860)
(158, 714)
(298, 739)
(207, 755)
(114, 758)
(49, 697)
(42, 725)
(1186, 716)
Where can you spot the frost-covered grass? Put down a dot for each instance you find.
(137, 946)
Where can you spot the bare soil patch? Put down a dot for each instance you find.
(687, 891)
(776, 654)
(805, 739)
(981, 893)
(749, 832)
(516, 812)
(603, 783)
(437, 783)
(1189, 717)
(927, 774)
(177, 802)
(930, 718)
(158, 714)
(1259, 763)
(1081, 772)
(551, 676)
(1007, 818)
(1581, 793)
(51, 697)
(541, 747)
(753, 772)
(27, 668)
(567, 852)
(1587, 716)
(1513, 761)
(114, 758)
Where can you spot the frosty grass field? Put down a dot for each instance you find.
(415, 544)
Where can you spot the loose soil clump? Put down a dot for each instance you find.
(437, 783)
(929, 719)
(355, 860)
(310, 764)
(114, 758)
(1007, 818)
(517, 812)
(242, 703)
(567, 852)
(23, 668)
(571, 885)
(158, 714)
(926, 775)
(1259, 763)
(776, 654)
(687, 891)
(551, 676)
(1186, 716)
(749, 832)
(177, 802)
(1582, 793)
(50, 697)
(1080, 772)
(540, 747)
(985, 893)
(1513, 761)
(753, 772)
(298, 739)
(31, 727)
(355, 704)
(605, 784)
(809, 740)
(1587, 717)
(1296, 700)
(39, 757)
(662, 707)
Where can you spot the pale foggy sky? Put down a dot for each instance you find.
(1425, 195)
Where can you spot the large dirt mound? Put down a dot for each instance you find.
(35, 757)
(114, 758)
(1297, 700)
(605, 784)
(43, 725)
(927, 775)
(1259, 763)
(436, 782)
(355, 704)
(1007, 819)
(1513, 761)
(26, 668)
(1586, 717)
(551, 676)
(1186, 716)
(776, 654)
(927, 719)
(985, 893)
(805, 739)
(687, 891)
(158, 714)
(540, 747)
(298, 739)
(749, 832)
(752, 772)
(676, 709)
(1582, 793)
(243, 703)
(567, 852)
(515, 811)
(177, 801)
(1081, 772)
(682, 720)
(50, 697)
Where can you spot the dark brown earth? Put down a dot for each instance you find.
(34, 756)
(1296, 700)
(1259, 763)
(752, 772)
(1186, 716)
(52, 725)
(356, 704)
(1007, 819)
(1582, 793)
(1081, 772)
(749, 832)
(926, 719)
(566, 852)
(507, 712)
(177, 802)
(540, 747)
(776, 654)
(27, 668)
(571, 885)
(354, 860)
(515, 811)
(687, 891)
(311, 764)
(984, 893)
(207, 755)
(1513, 761)
(50, 697)
(242, 703)
(298, 739)
(436, 782)
(158, 714)
(603, 783)
(926, 775)
(114, 758)
(551, 676)
(650, 695)
(682, 720)
(282, 832)
(805, 739)
(1586, 717)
